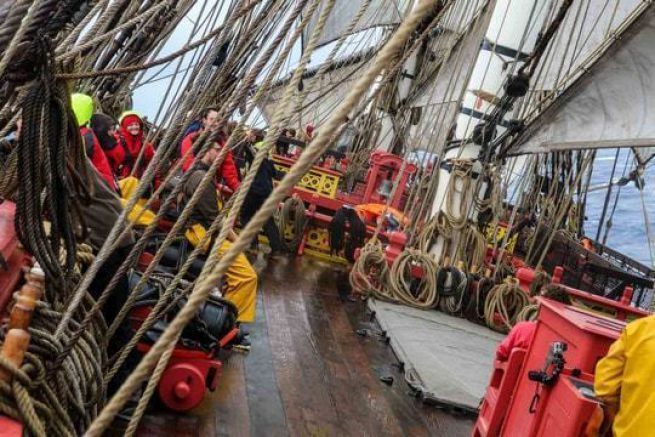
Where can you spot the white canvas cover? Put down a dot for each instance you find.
(448, 359)
(609, 106)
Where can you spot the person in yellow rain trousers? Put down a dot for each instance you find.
(139, 215)
(625, 380)
(240, 278)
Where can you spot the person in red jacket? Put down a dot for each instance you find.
(83, 109)
(208, 122)
(130, 143)
(227, 171)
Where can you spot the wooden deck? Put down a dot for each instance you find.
(309, 373)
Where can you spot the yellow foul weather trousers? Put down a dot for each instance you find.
(240, 277)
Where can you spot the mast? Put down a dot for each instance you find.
(510, 37)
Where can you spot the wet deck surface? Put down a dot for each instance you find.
(309, 373)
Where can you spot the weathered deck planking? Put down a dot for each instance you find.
(309, 373)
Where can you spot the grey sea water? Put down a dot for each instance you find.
(628, 231)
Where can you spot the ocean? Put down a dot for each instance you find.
(628, 232)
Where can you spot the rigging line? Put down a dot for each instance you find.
(649, 234)
(11, 49)
(194, 29)
(607, 195)
(616, 202)
(147, 14)
(134, 46)
(594, 27)
(165, 59)
(77, 30)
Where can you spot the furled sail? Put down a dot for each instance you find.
(322, 93)
(611, 105)
(380, 13)
(441, 99)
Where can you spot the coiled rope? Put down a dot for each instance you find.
(541, 279)
(415, 292)
(370, 272)
(460, 175)
(503, 304)
(292, 215)
(528, 313)
(452, 284)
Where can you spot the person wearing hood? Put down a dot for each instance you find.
(131, 140)
(83, 108)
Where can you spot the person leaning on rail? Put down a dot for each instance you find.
(240, 285)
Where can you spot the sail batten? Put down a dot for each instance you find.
(610, 105)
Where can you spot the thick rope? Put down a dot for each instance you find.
(416, 292)
(160, 61)
(504, 302)
(292, 214)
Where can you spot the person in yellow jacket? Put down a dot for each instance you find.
(625, 380)
(240, 277)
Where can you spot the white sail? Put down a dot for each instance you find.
(379, 13)
(322, 93)
(588, 25)
(609, 106)
(441, 100)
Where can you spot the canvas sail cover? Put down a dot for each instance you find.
(321, 93)
(378, 13)
(609, 106)
(441, 98)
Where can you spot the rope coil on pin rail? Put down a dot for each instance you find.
(292, 215)
(541, 279)
(503, 304)
(473, 247)
(416, 292)
(452, 284)
(479, 298)
(435, 227)
(461, 171)
(370, 272)
(528, 313)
